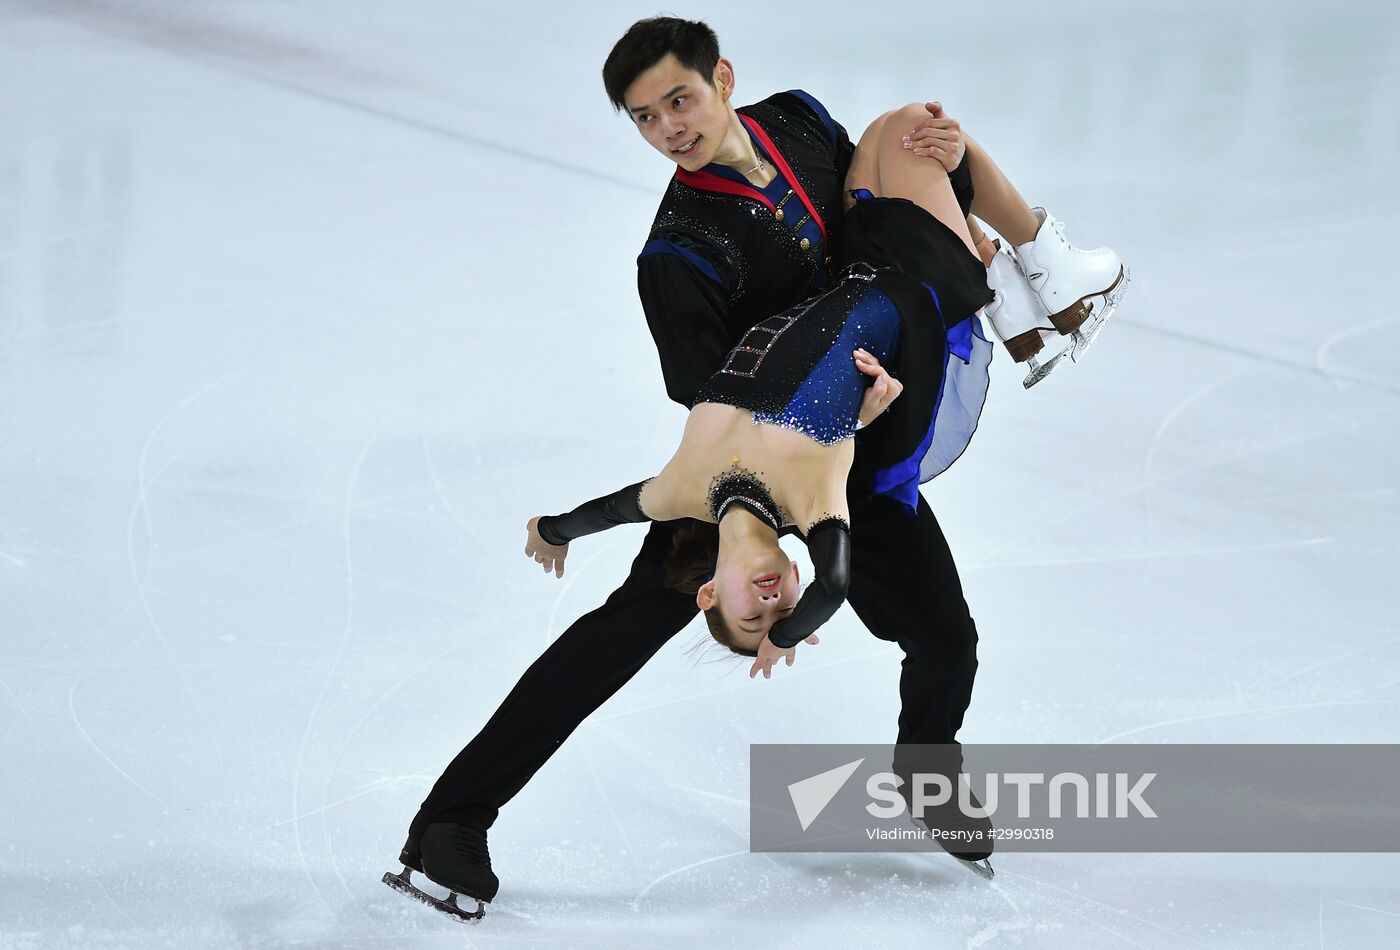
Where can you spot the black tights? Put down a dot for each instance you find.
(904, 588)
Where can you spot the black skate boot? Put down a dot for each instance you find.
(456, 858)
(971, 842)
(966, 837)
(409, 856)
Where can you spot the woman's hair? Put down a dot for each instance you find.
(647, 42)
(694, 553)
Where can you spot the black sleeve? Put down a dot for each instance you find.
(623, 506)
(961, 180)
(829, 544)
(686, 312)
(845, 149)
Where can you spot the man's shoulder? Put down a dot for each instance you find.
(795, 106)
(680, 232)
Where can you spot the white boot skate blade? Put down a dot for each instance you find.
(1042, 370)
(1085, 336)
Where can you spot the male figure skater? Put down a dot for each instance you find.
(749, 225)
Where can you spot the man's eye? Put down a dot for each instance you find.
(678, 100)
(642, 118)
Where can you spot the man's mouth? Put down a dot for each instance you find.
(688, 147)
(768, 581)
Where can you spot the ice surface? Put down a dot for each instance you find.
(305, 308)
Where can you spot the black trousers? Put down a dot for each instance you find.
(904, 588)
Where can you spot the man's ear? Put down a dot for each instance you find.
(705, 596)
(796, 572)
(724, 78)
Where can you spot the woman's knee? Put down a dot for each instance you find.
(905, 117)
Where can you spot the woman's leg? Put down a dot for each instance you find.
(995, 200)
(887, 169)
(985, 249)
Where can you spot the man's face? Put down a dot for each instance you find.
(679, 112)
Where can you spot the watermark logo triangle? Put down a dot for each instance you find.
(811, 795)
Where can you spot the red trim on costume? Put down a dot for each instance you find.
(708, 181)
(787, 171)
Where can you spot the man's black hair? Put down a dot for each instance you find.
(647, 42)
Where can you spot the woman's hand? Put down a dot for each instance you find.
(768, 654)
(550, 555)
(939, 136)
(882, 392)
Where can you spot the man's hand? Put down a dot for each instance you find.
(550, 555)
(768, 655)
(882, 392)
(939, 136)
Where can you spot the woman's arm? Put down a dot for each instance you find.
(829, 544)
(655, 499)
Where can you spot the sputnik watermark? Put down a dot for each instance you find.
(888, 800)
(1076, 798)
(811, 795)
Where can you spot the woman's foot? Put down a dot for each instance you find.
(1072, 283)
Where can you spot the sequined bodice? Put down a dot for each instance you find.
(741, 486)
(797, 369)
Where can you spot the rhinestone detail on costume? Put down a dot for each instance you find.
(741, 485)
(823, 520)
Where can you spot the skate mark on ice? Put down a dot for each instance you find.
(608, 541)
(706, 793)
(1155, 555)
(146, 30)
(16, 561)
(1175, 413)
(1367, 689)
(617, 823)
(1321, 941)
(368, 789)
(1320, 357)
(73, 714)
(23, 710)
(745, 683)
(462, 524)
(636, 901)
(346, 523)
(372, 787)
(1329, 660)
(994, 929)
(141, 508)
(1260, 357)
(1117, 911)
(1102, 501)
(1259, 710)
(1374, 910)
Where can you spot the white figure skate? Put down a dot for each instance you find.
(1019, 318)
(1080, 289)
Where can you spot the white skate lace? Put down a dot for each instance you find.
(1059, 227)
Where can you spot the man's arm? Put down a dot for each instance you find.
(685, 298)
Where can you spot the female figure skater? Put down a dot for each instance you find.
(769, 442)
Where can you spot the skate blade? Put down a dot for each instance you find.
(1085, 336)
(1041, 370)
(402, 884)
(982, 868)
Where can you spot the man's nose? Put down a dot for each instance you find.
(672, 128)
